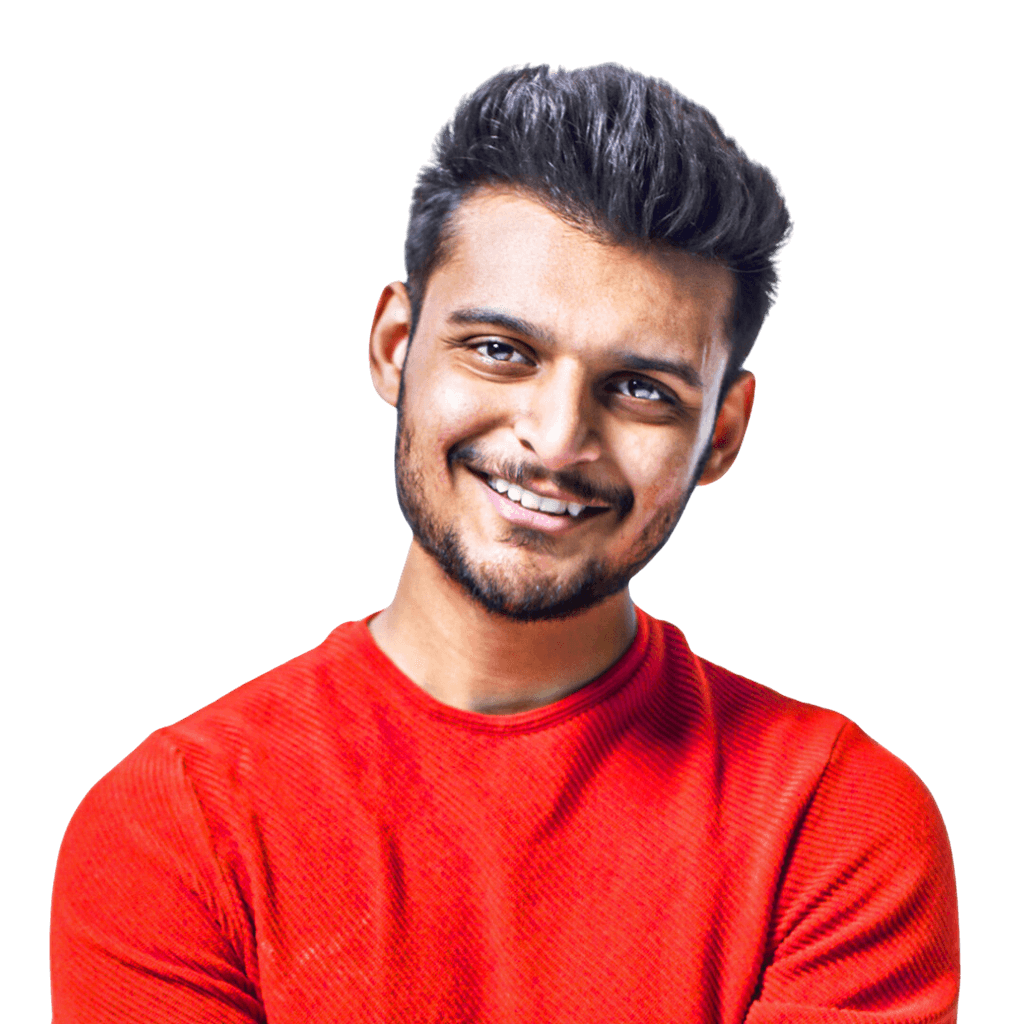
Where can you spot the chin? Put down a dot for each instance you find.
(522, 592)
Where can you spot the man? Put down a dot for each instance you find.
(511, 795)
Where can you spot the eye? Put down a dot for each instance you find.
(637, 387)
(501, 352)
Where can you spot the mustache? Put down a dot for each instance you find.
(523, 473)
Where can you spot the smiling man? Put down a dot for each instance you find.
(555, 412)
(512, 795)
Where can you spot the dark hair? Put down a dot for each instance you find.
(618, 153)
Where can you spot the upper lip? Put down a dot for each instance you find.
(545, 491)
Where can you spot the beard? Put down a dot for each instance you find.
(518, 594)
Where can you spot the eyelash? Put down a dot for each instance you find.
(619, 386)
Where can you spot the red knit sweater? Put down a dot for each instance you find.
(672, 843)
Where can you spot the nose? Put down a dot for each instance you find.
(558, 418)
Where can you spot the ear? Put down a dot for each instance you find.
(730, 427)
(389, 340)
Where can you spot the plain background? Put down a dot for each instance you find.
(200, 203)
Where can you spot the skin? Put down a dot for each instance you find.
(527, 357)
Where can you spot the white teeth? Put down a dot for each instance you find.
(552, 505)
(534, 501)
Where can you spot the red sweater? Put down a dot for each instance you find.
(672, 843)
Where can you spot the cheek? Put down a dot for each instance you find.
(455, 412)
(659, 475)
(666, 492)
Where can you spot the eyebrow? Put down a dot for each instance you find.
(628, 360)
(497, 318)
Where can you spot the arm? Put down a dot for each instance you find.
(146, 926)
(865, 923)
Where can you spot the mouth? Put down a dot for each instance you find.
(546, 513)
(535, 502)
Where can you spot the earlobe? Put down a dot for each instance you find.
(389, 340)
(730, 427)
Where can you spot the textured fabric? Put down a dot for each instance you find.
(671, 843)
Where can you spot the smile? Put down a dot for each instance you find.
(535, 502)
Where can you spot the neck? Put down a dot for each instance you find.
(472, 659)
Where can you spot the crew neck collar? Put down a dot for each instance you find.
(416, 701)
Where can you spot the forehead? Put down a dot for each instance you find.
(509, 251)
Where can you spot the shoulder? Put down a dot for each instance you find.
(850, 770)
(871, 812)
(756, 730)
(296, 705)
(864, 915)
(185, 784)
(751, 714)
(811, 770)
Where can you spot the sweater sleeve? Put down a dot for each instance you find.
(144, 925)
(865, 924)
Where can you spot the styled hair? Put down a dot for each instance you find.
(619, 154)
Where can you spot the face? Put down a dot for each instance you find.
(555, 405)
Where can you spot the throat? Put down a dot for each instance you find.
(468, 658)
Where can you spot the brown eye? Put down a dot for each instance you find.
(500, 352)
(637, 387)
